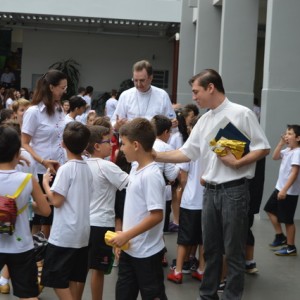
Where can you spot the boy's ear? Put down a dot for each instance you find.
(136, 145)
(63, 145)
(97, 147)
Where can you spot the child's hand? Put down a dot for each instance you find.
(47, 176)
(117, 252)
(281, 195)
(119, 240)
(51, 164)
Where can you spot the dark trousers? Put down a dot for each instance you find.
(144, 275)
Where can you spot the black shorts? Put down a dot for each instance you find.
(284, 210)
(144, 275)
(100, 255)
(41, 220)
(190, 229)
(23, 273)
(62, 265)
(119, 203)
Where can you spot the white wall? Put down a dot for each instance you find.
(169, 10)
(105, 60)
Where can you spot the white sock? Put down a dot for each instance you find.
(3, 281)
(176, 273)
(200, 272)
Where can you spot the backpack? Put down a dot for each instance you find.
(9, 210)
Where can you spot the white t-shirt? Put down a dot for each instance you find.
(192, 197)
(46, 133)
(107, 179)
(88, 101)
(133, 103)
(110, 106)
(145, 192)
(21, 240)
(169, 170)
(176, 140)
(9, 103)
(68, 119)
(71, 221)
(197, 145)
(290, 157)
(25, 168)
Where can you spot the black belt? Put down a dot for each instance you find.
(225, 185)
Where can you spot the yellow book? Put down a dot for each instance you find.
(109, 235)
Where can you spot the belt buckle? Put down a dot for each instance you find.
(212, 186)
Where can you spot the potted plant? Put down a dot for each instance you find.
(70, 68)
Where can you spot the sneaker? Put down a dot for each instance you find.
(186, 268)
(286, 251)
(5, 289)
(221, 287)
(251, 269)
(173, 227)
(278, 241)
(177, 278)
(197, 275)
(194, 264)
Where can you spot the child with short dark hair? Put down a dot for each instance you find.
(17, 250)
(66, 262)
(107, 179)
(140, 267)
(282, 204)
(76, 108)
(163, 127)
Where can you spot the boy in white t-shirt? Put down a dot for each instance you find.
(107, 179)
(77, 108)
(17, 250)
(163, 127)
(282, 204)
(140, 268)
(66, 262)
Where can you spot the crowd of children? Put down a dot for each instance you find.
(91, 192)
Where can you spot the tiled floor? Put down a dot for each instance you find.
(278, 277)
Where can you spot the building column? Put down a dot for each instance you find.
(199, 44)
(186, 53)
(207, 43)
(281, 84)
(238, 49)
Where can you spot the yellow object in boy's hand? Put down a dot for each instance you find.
(109, 235)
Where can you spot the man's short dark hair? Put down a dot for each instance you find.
(97, 134)
(141, 131)
(141, 65)
(161, 123)
(206, 77)
(76, 102)
(10, 143)
(76, 137)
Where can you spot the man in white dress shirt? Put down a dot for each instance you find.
(143, 100)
